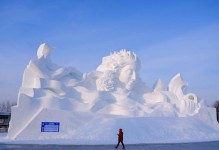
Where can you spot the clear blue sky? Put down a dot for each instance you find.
(169, 36)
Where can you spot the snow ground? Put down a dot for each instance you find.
(176, 146)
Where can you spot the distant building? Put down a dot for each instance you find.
(216, 105)
(4, 121)
(217, 111)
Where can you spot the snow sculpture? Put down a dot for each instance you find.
(157, 95)
(158, 100)
(45, 85)
(159, 86)
(118, 70)
(44, 51)
(118, 76)
(78, 102)
(42, 73)
(186, 103)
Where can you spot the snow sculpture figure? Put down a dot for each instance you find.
(44, 50)
(44, 86)
(42, 73)
(174, 98)
(119, 69)
(158, 100)
(112, 93)
(186, 103)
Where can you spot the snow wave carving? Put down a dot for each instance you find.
(186, 103)
(111, 91)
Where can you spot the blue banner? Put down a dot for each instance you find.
(50, 126)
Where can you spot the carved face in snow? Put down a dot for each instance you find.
(128, 76)
(118, 69)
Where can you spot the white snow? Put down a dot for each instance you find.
(91, 107)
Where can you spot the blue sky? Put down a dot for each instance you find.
(169, 36)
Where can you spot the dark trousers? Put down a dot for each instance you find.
(122, 144)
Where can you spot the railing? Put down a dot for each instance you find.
(3, 130)
(4, 121)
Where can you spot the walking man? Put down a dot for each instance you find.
(120, 139)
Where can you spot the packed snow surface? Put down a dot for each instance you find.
(91, 107)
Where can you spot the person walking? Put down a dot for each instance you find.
(120, 139)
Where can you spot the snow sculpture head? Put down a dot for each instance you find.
(118, 69)
(44, 50)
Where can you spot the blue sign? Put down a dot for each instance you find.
(50, 127)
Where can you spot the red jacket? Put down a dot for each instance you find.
(120, 135)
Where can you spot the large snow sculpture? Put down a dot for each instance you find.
(77, 102)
